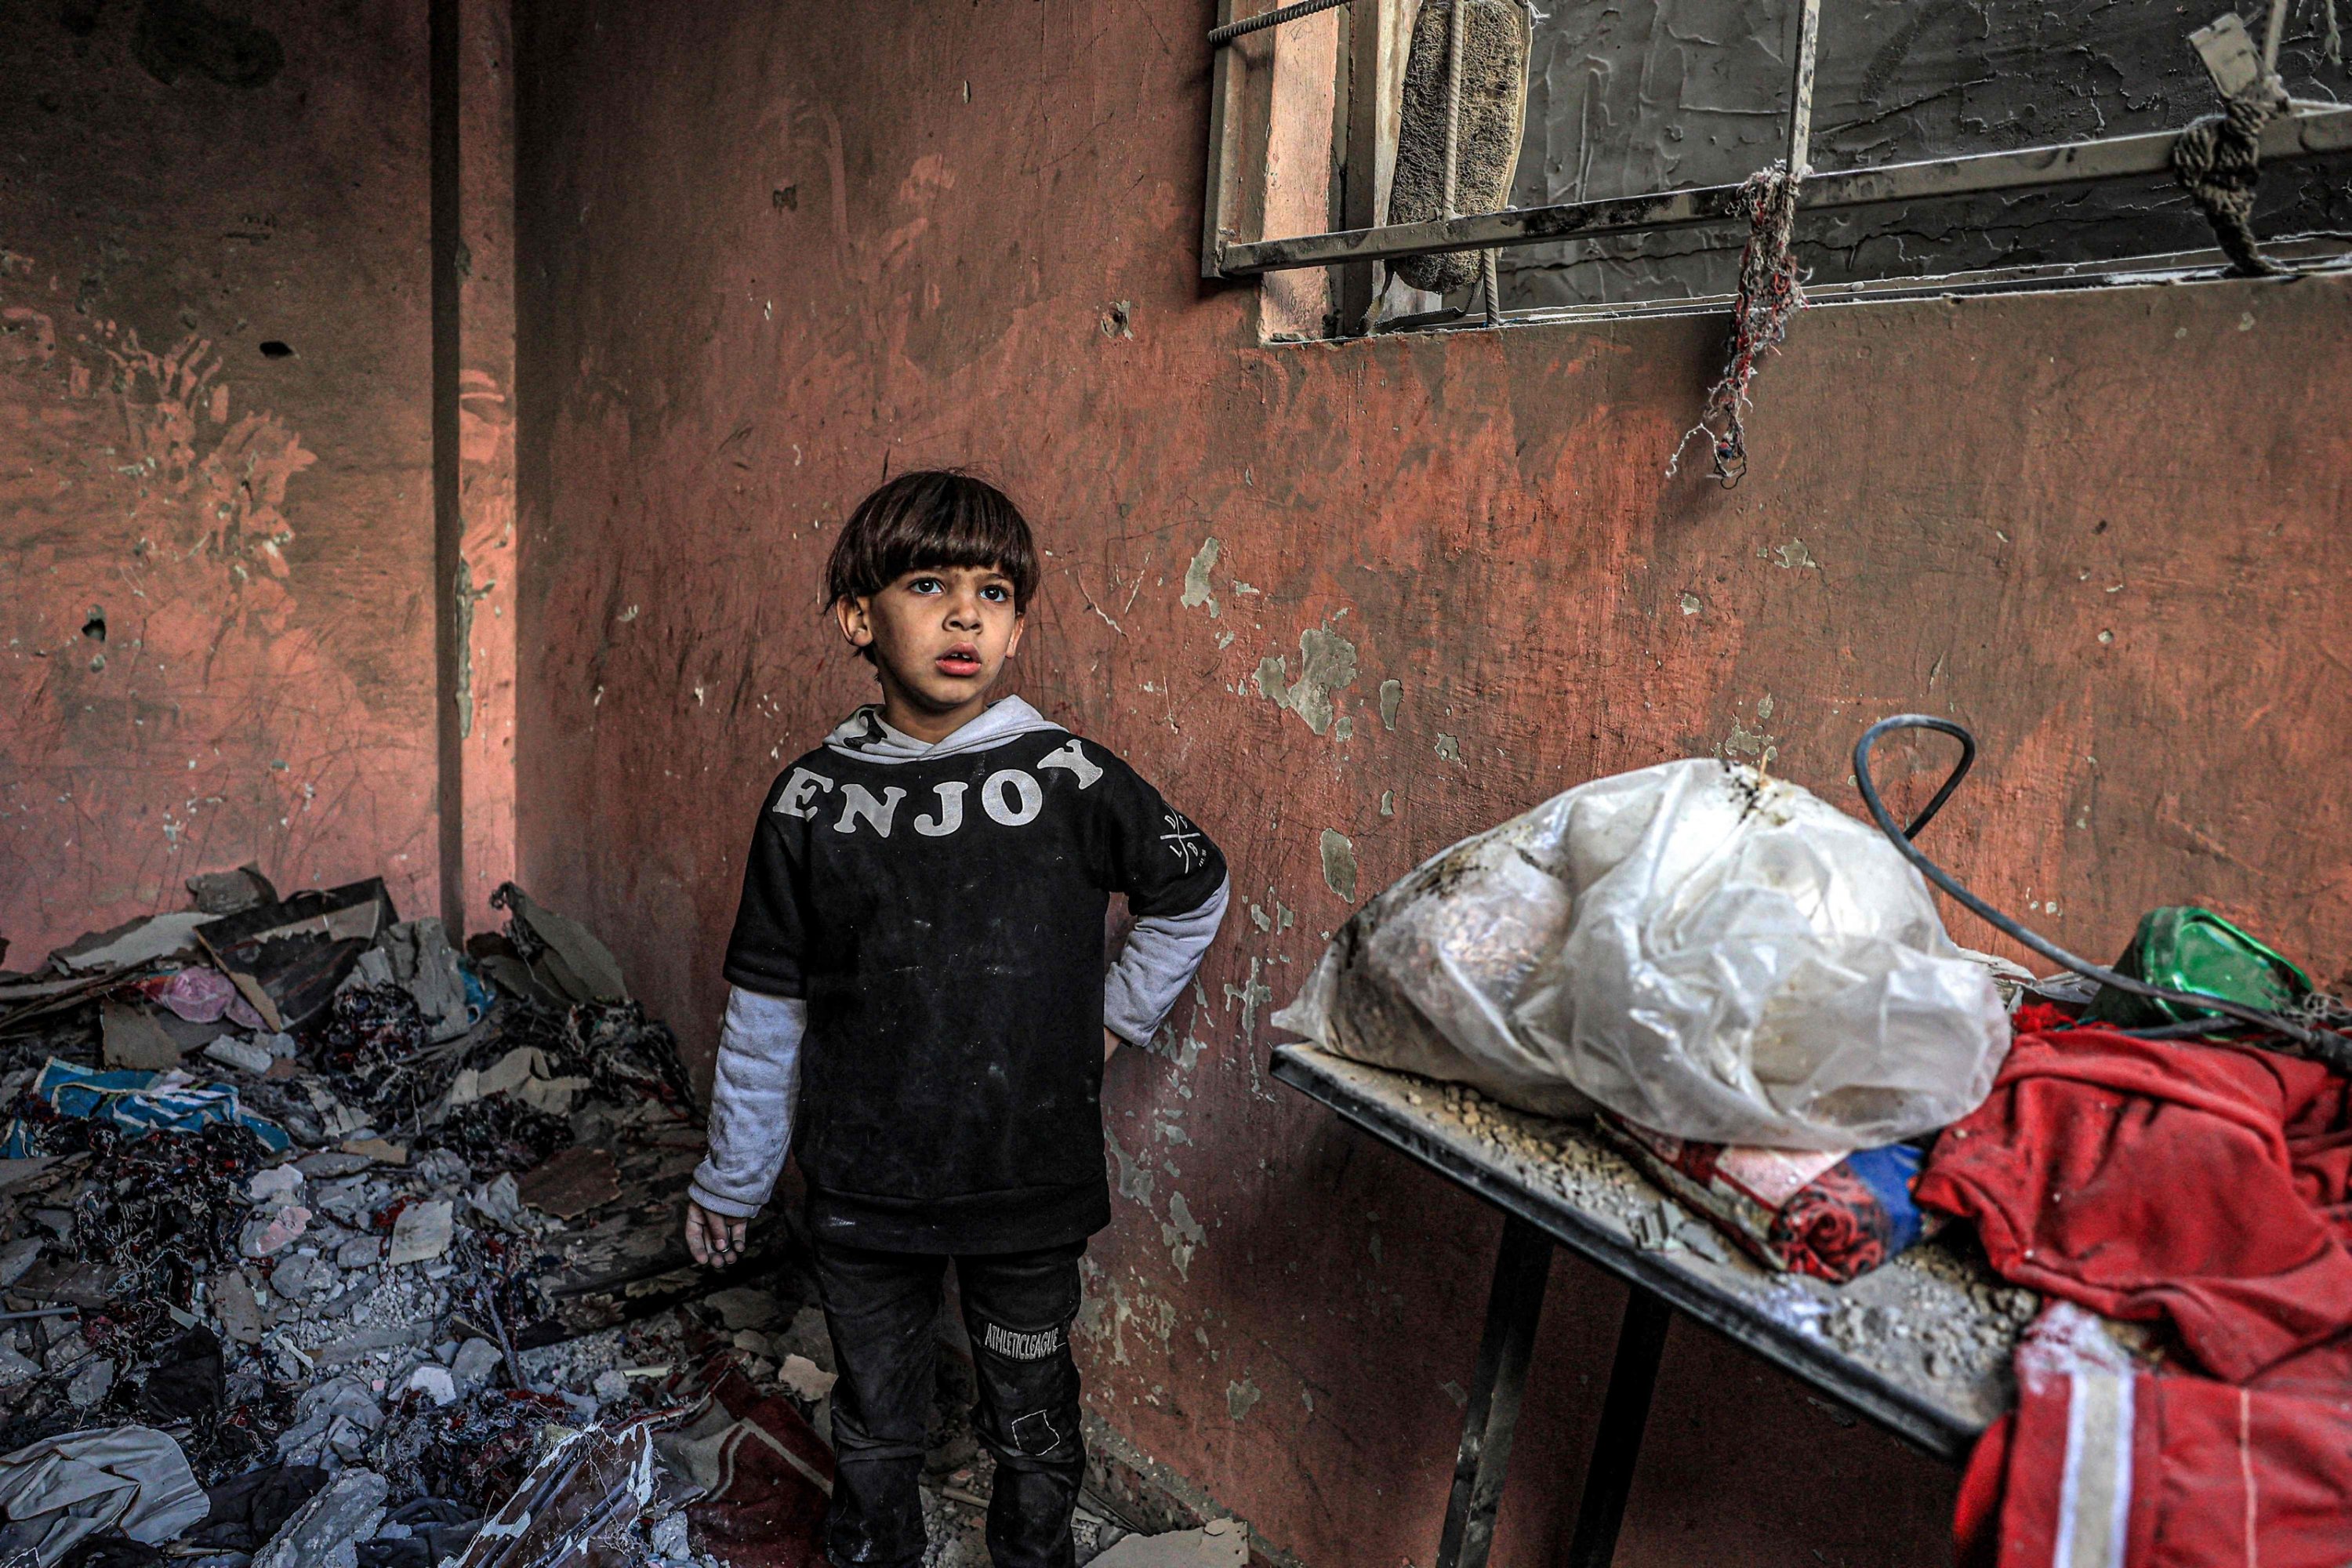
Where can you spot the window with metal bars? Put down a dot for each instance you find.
(1945, 145)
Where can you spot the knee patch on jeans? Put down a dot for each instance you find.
(1037, 1433)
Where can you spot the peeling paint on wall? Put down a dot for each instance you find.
(1327, 664)
(1196, 578)
(1134, 1179)
(1181, 1235)
(1338, 864)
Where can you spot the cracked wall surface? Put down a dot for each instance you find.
(1643, 95)
(2015, 510)
(215, 533)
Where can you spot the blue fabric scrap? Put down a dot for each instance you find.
(1888, 1173)
(138, 1103)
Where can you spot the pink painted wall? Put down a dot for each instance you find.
(256, 532)
(770, 252)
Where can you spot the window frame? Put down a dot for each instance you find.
(2304, 129)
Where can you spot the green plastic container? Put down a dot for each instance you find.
(2184, 948)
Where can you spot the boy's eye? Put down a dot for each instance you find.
(924, 585)
(995, 592)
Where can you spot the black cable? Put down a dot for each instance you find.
(2327, 1047)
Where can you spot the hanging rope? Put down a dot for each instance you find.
(1772, 289)
(2217, 161)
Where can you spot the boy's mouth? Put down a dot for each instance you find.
(962, 661)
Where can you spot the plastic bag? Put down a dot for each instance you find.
(1704, 950)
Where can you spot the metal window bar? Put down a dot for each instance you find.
(2307, 131)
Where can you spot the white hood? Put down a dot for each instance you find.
(864, 734)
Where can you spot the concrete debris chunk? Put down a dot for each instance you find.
(16, 1368)
(500, 1203)
(805, 1379)
(421, 1234)
(360, 1252)
(17, 1256)
(434, 1383)
(303, 1278)
(270, 1231)
(1220, 1543)
(278, 1185)
(326, 1532)
(236, 1308)
(476, 1364)
(243, 1055)
(94, 1383)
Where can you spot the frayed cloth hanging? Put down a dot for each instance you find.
(1771, 290)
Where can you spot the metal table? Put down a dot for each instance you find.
(1872, 1370)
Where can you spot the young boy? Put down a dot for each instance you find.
(918, 985)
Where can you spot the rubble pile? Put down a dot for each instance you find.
(322, 1242)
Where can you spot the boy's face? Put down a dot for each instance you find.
(941, 636)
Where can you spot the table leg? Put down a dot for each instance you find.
(1521, 1270)
(1617, 1442)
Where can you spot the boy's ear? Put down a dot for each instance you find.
(856, 623)
(1012, 643)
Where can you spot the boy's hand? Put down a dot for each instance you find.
(713, 1238)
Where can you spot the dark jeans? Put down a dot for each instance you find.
(880, 1308)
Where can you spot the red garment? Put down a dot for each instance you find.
(2145, 1179)
(765, 1474)
(2103, 1469)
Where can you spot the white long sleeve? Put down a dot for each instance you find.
(1162, 954)
(752, 1098)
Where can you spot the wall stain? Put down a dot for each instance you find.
(176, 36)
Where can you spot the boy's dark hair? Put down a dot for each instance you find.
(931, 519)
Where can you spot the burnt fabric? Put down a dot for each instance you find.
(1835, 1217)
(2101, 1468)
(246, 1510)
(942, 915)
(2145, 1179)
(880, 1308)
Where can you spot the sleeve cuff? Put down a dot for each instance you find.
(704, 1197)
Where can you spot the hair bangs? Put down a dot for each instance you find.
(932, 519)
